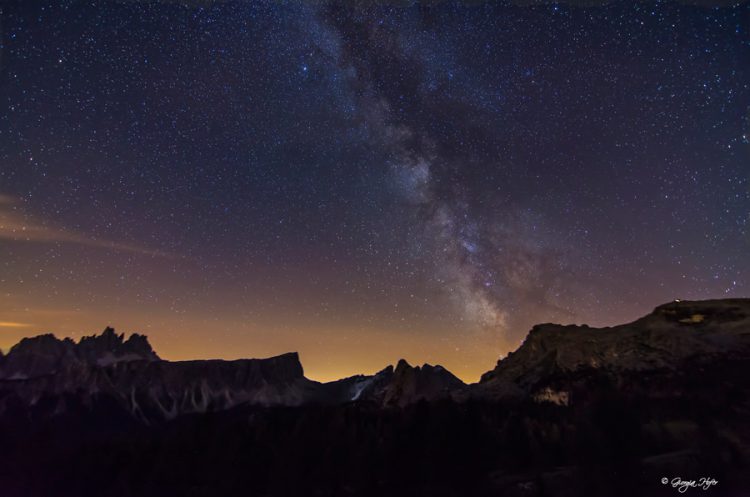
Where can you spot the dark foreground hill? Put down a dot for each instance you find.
(574, 411)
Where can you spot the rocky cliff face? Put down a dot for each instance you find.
(674, 336)
(51, 372)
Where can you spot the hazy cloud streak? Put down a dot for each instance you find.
(12, 324)
(15, 225)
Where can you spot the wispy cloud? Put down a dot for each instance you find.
(17, 225)
(12, 324)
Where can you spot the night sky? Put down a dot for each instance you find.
(360, 184)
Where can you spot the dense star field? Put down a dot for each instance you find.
(364, 182)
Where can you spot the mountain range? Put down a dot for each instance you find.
(150, 388)
(665, 393)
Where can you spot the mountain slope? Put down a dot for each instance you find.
(673, 336)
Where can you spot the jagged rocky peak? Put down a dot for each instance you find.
(46, 354)
(137, 342)
(36, 356)
(399, 386)
(110, 347)
(403, 368)
(108, 341)
(410, 384)
(385, 372)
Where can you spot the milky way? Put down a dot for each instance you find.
(365, 181)
(484, 256)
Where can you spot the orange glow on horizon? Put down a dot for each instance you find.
(326, 353)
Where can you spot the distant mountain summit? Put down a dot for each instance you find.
(397, 387)
(555, 363)
(412, 384)
(46, 354)
(110, 347)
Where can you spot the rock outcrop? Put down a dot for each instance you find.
(674, 336)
